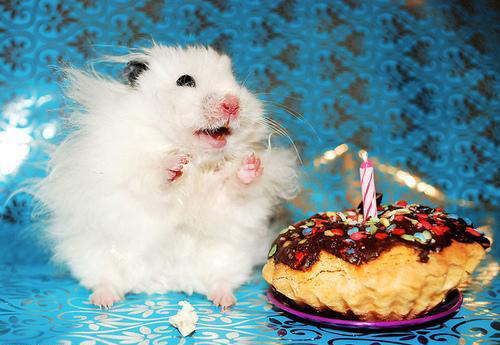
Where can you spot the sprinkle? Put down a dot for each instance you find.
(422, 216)
(328, 233)
(357, 236)
(381, 235)
(307, 231)
(402, 203)
(331, 214)
(399, 218)
(286, 244)
(342, 216)
(309, 224)
(398, 231)
(413, 221)
(427, 235)
(473, 232)
(352, 231)
(452, 216)
(302, 241)
(426, 224)
(351, 213)
(408, 237)
(390, 227)
(384, 221)
(438, 209)
(272, 251)
(399, 210)
(360, 218)
(373, 229)
(299, 256)
(373, 220)
(420, 237)
(338, 232)
(350, 251)
(439, 229)
(348, 240)
(284, 230)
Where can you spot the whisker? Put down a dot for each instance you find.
(297, 116)
(272, 94)
(277, 128)
(284, 107)
(272, 128)
(281, 130)
(246, 78)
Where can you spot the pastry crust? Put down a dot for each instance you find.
(394, 286)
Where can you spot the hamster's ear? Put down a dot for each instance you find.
(133, 70)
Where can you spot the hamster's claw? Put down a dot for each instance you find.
(251, 169)
(104, 297)
(222, 298)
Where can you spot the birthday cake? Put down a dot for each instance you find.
(395, 266)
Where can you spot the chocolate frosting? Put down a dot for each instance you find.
(345, 235)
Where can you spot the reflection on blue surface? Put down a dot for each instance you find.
(414, 83)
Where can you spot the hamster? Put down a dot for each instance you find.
(166, 181)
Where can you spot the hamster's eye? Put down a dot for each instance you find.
(186, 80)
(133, 70)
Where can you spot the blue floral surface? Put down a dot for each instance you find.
(415, 83)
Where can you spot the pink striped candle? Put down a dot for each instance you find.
(368, 189)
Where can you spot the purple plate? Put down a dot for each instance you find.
(449, 306)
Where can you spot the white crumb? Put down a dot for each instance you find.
(185, 319)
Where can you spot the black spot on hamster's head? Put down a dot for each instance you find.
(192, 93)
(133, 70)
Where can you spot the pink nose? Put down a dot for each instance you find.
(230, 105)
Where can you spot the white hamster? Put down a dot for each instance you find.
(166, 182)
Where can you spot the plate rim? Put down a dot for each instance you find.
(367, 324)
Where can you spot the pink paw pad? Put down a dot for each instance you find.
(251, 169)
(104, 297)
(175, 165)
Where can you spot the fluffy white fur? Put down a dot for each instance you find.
(116, 220)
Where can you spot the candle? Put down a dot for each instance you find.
(368, 189)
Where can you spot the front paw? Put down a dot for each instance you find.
(175, 165)
(251, 169)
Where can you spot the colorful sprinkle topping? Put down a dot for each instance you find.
(345, 235)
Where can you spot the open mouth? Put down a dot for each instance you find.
(215, 137)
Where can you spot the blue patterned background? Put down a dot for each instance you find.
(415, 83)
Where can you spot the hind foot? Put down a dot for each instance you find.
(104, 297)
(222, 298)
